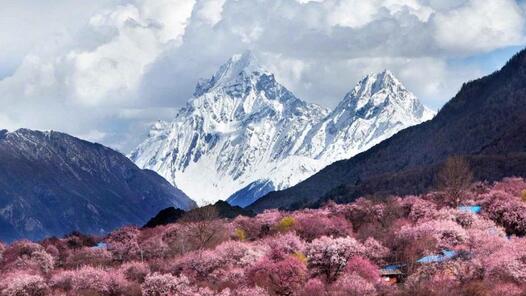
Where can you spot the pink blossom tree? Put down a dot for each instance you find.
(328, 256)
(508, 262)
(135, 271)
(375, 250)
(88, 256)
(166, 285)
(90, 279)
(352, 285)
(506, 210)
(2, 249)
(312, 224)
(447, 234)
(364, 268)
(282, 277)
(124, 244)
(22, 284)
(314, 286)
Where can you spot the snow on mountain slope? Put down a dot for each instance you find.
(243, 134)
(238, 126)
(378, 107)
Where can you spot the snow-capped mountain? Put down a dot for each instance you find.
(375, 109)
(243, 134)
(240, 124)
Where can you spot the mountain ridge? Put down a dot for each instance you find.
(251, 135)
(52, 183)
(484, 111)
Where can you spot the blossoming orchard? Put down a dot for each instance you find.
(411, 245)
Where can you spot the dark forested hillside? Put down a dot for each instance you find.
(484, 122)
(52, 183)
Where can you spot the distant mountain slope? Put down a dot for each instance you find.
(164, 217)
(484, 120)
(219, 210)
(243, 134)
(52, 183)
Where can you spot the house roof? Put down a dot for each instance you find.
(101, 245)
(470, 209)
(443, 256)
(393, 269)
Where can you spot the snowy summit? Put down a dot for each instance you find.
(243, 134)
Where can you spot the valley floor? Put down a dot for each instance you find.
(440, 243)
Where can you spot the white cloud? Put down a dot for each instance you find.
(352, 13)
(357, 13)
(115, 68)
(480, 26)
(171, 15)
(210, 11)
(29, 24)
(93, 136)
(125, 63)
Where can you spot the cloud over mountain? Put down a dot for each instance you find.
(123, 63)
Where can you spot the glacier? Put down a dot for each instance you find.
(243, 134)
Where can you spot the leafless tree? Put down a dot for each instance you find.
(203, 228)
(454, 177)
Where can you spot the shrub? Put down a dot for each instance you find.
(375, 250)
(314, 287)
(2, 249)
(43, 260)
(165, 285)
(310, 225)
(53, 251)
(153, 247)
(199, 264)
(364, 268)
(352, 285)
(91, 279)
(283, 277)
(506, 210)
(135, 271)
(21, 284)
(286, 224)
(285, 244)
(20, 249)
(29, 257)
(507, 263)
(88, 256)
(249, 291)
(447, 234)
(240, 234)
(124, 245)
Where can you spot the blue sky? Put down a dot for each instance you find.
(107, 71)
(488, 62)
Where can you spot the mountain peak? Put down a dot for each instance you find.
(231, 72)
(282, 138)
(378, 90)
(246, 61)
(376, 82)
